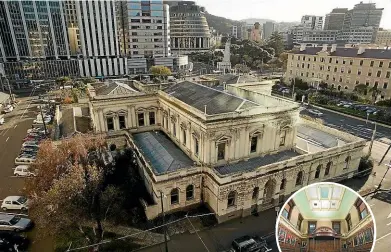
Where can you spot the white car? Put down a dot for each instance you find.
(315, 112)
(1, 120)
(15, 203)
(23, 171)
(30, 144)
(8, 109)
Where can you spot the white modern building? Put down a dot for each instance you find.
(268, 29)
(93, 36)
(234, 31)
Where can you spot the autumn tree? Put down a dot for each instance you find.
(160, 71)
(72, 189)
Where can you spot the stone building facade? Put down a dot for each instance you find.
(342, 68)
(237, 150)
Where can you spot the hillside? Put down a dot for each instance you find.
(222, 25)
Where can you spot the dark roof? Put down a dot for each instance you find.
(160, 152)
(216, 101)
(349, 52)
(253, 163)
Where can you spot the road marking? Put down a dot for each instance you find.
(15, 126)
(371, 205)
(389, 216)
(389, 224)
(384, 236)
(7, 139)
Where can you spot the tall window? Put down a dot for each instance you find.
(378, 73)
(221, 151)
(196, 146)
(189, 192)
(253, 146)
(184, 136)
(328, 167)
(299, 222)
(337, 226)
(231, 199)
(283, 184)
(174, 128)
(372, 62)
(349, 221)
(347, 161)
(122, 123)
(174, 196)
(299, 178)
(361, 208)
(282, 138)
(286, 212)
(151, 118)
(317, 173)
(311, 226)
(140, 118)
(255, 193)
(110, 123)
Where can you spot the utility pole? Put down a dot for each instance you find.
(372, 140)
(388, 167)
(164, 227)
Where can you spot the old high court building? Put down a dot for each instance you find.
(237, 150)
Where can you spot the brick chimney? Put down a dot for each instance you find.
(324, 48)
(302, 47)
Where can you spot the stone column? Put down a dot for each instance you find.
(102, 120)
(133, 116)
(116, 122)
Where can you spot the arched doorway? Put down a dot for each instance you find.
(268, 193)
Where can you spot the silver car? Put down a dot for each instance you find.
(14, 223)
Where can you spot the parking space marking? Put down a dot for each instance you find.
(15, 126)
(7, 139)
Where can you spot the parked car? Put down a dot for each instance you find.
(27, 149)
(348, 105)
(9, 240)
(15, 203)
(23, 172)
(249, 244)
(40, 121)
(36, 130)
(24, 159)
(14, 223)
(315, 112)
(2, 120)
(8, 109)
(30, 144)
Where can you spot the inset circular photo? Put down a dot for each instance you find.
(325, 217)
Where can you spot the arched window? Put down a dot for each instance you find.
(299, 178)
(283, 184)
(328, 167)
(231, 199)
(255, 193)
(174, 196)
(339, 87)
(317, 173)
(189, 192)
(347, 162)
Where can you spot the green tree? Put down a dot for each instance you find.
(242, 68)
(62, 81)
(276, 42)
(160, 71)
(284, 60)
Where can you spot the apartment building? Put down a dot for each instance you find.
(342, 68)
(312, 22)
(268, 29)
(334, 20)
(383, 37)
(234, 32)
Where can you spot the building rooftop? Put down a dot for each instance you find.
(253, 163)
(199, 96)
(349, 52)
(161, 153)
(114, 88)
(312, 139)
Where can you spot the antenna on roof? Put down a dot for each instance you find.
(205, 109)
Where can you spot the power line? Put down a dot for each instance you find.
(141, 232)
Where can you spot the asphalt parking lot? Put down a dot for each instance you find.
(12, 133)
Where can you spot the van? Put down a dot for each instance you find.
(15, 203)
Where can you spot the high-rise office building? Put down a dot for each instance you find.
(334, 20)
(268, 29)
(189, 28)
(93, 37)
(363, 16)
(234, 32)
(144, 28)
(312, 22)
(33, 29)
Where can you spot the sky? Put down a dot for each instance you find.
(286, 10)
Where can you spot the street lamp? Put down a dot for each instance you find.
(164, 227)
